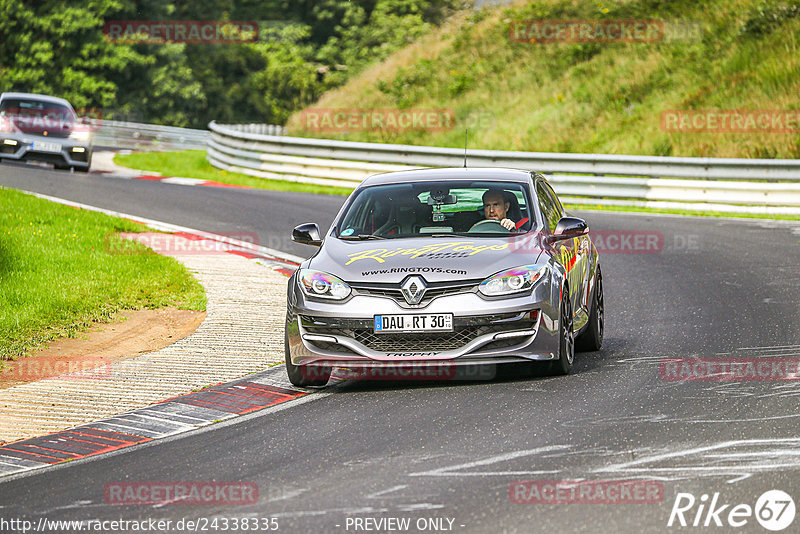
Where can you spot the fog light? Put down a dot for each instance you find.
(78, 149)
(9, 142)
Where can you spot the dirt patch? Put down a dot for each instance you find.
(92, 353)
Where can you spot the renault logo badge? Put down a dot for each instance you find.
(413, 289)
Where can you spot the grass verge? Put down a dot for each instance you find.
(516, 93)
(56, 276)
(193, 164)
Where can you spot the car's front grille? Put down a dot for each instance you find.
(412, 342)
(434, 290)
(44, 156)
(419, 342)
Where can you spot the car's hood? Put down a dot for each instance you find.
(436, 259)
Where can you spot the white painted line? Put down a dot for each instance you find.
(420, 506)
(774, 347)
(384, 492)
(158, 440)
(631, 466)
(447, 471)
(182, 181)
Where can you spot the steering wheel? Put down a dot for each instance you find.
(489, 225)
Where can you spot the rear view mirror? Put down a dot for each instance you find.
(440, 200)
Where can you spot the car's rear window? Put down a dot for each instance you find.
(430, 208)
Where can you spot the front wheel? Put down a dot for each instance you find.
(592, 338)
(566, 345)
(302, 375)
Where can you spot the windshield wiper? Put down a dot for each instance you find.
(441, 235)
(361, 237)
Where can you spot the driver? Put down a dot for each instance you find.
(495, 207)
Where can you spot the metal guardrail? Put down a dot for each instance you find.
(718, 184)
(137, 136)
(263, 129)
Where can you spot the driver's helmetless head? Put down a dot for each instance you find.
(494, 205)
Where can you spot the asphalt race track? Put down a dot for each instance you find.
(445, 455)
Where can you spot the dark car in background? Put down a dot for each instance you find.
(44, 128)
(419, 270)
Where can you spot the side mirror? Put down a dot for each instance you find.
(307, 234)
(569, 227)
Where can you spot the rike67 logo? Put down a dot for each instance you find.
(774, 510)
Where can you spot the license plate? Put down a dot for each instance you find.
(423, 322)
(41, 146)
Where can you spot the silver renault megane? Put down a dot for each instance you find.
(444, 268)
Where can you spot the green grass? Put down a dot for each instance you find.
(56, 276)
(193, 164)
(605, 98)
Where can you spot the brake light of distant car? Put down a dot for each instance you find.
(322, 285)
(512, 281)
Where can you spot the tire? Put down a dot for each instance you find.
(592, 338)
(299, 376)
(566, 341)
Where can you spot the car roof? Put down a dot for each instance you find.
(35, 96)
(486, 174)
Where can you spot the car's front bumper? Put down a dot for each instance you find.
(485, 331)
(20, 147)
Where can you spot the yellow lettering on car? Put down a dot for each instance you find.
(380, 254)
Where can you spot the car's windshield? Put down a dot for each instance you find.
(33, 113)
(426, 209)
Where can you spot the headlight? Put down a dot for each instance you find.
(516, 280)
(322, 285)
(79, 135)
